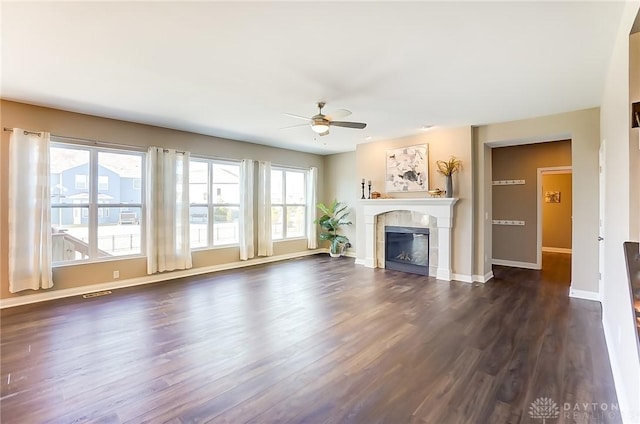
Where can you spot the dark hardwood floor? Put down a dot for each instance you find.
(313, 340)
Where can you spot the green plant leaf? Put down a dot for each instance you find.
(325, 210)
(340, 239)
(326, 236)
(334, 216)
(340, 209)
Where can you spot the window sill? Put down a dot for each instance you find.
(290, 239)
(96, 261)
(224, 246)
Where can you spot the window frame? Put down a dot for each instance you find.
(211, 204)
(93, 205)
(284, 204)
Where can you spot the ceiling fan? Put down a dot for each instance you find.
(320, 123)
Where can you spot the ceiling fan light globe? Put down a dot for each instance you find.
(319, 127)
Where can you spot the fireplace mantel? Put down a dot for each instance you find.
(440, 208)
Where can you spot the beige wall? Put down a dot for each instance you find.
(634, 160)
(519, 202)
(556, 217)
(371, 165)
(341, 182)
(621, 215)
(69, 124)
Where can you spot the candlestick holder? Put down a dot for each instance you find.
(369, 191)
(362, 190)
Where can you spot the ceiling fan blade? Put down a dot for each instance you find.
(297, 116)
(294, 126)
(337, 114)
(358, 125)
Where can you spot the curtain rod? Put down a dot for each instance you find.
(84, 141)
(25, 131)
(108, 144)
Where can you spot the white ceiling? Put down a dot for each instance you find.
(232, 69)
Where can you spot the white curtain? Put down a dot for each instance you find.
(167, 210)
(312, 199)
(246, 210)
(265, 244)
(29, 212)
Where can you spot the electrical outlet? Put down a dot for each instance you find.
(116, 275)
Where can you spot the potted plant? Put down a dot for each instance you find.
(334, 216)
(448, 168)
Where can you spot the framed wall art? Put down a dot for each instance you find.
(552, 197)
(408, 169)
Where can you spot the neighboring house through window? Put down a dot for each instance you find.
(93, 191)
(214, 197)
(81, 182)
(103, 182)
(288, 203)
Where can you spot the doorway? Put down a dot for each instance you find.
(517, 200)
(555, 221)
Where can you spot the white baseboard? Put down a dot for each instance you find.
(516, 264)
(584, 294)
(138, 281)
(483, 278)
(629, 416)
(359, 261)
(556, 250)
(462, 278)
(326, 250)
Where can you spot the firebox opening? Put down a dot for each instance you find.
(407, 249)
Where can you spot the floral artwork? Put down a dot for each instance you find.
(407, 169)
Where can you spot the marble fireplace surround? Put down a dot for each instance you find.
(439, 208)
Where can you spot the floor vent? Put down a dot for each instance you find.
(96, 294)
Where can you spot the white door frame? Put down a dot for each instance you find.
(547, 171)
(601, 202)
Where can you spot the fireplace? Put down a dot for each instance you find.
(438, 208)
(407, 249)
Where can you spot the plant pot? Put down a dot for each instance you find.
(336, 250)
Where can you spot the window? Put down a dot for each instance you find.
(214, 196)
(103, 183)
(92, 190)
(288, 204)
(81, 182)
(137, 184)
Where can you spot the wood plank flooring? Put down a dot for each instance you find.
(312, 340)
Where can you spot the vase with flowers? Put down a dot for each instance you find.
(448, 168)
